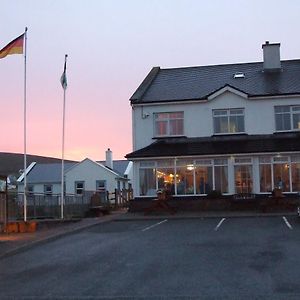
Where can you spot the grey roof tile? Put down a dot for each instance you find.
(191, 83)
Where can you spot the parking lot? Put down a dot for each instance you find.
(215, 258)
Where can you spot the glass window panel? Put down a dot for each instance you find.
(296, 177)
(176, 127)
(220, 112)
(295, 158)
(220, 161)
(243, 179)
(147, 164)
(166, 179)
(296, 108)
(281, 177)
(238, 111)
(161, 127)
(221, 179)
(296, 121)
(286, 122)
(185, 180)
(203, 162)
(265, 178)
(265, 159)
(166, 163)
(282, 109)
(280, 159)
(243, 160)
(176, 115)
(161, 116)
(147, 182)
(204, 180)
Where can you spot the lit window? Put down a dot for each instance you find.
(168, 124)
(287, 118)
(229, 121)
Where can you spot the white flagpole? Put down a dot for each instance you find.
(25, 150)
(63, 143)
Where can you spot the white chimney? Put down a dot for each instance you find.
(108, 158)
(271, 56)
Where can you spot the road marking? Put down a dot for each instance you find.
(287, 223)
(154, 225)
(220, 223)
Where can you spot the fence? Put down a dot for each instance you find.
(41, 206)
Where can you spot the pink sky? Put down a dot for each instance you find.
(112, 45)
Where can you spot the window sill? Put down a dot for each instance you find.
(231, 133)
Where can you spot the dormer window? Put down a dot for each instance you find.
(229, 121)
(287, 118)
(168, 124)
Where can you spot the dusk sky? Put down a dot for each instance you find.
(112, 45)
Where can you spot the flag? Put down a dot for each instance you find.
(14, 47)
(63, 78)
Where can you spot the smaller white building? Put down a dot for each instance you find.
(80, 178)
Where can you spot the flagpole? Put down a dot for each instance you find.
(25, 113)
(63, 146)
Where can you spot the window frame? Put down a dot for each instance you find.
(48, 193)
(227, 115)
(82, 189)
(168, 120)
(290, 113)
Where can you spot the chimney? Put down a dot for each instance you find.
(271, 56)
(108, 158)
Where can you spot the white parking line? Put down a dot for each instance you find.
(287, 223)
(154, 225)
(220, 223)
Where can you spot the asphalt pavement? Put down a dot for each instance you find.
(48, 230)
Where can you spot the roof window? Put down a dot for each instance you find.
(239, 75)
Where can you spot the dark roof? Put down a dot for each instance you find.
(46, 173)
(197, 83)
(119, 166)
(219, 145)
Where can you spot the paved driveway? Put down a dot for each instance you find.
(234, 258)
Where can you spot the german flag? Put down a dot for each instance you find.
(14, 47)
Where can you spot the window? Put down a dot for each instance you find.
(48, 189)
(147, 178)
(243, 175)
(165, 175)
(100, 185)
(168, 124)
(229, 120)
(265, 174)
(184, 177)
(79, 187)
(30, 189)
(221, 175)
(287, 118)
(203, 176)
(295, 173)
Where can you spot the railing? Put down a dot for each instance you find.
(41, 206)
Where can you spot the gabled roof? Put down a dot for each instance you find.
(197, 83)
(220, 145)
(46, 173)
(119, 166)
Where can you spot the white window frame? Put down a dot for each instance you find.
(291, 113)
(48, 192)
(82, 189)
(228, 115)
(167, 120)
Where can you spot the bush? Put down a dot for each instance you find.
(214, 194)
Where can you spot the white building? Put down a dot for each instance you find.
(81, 177)
(233, 128)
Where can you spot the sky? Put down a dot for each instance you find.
(111, 47)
